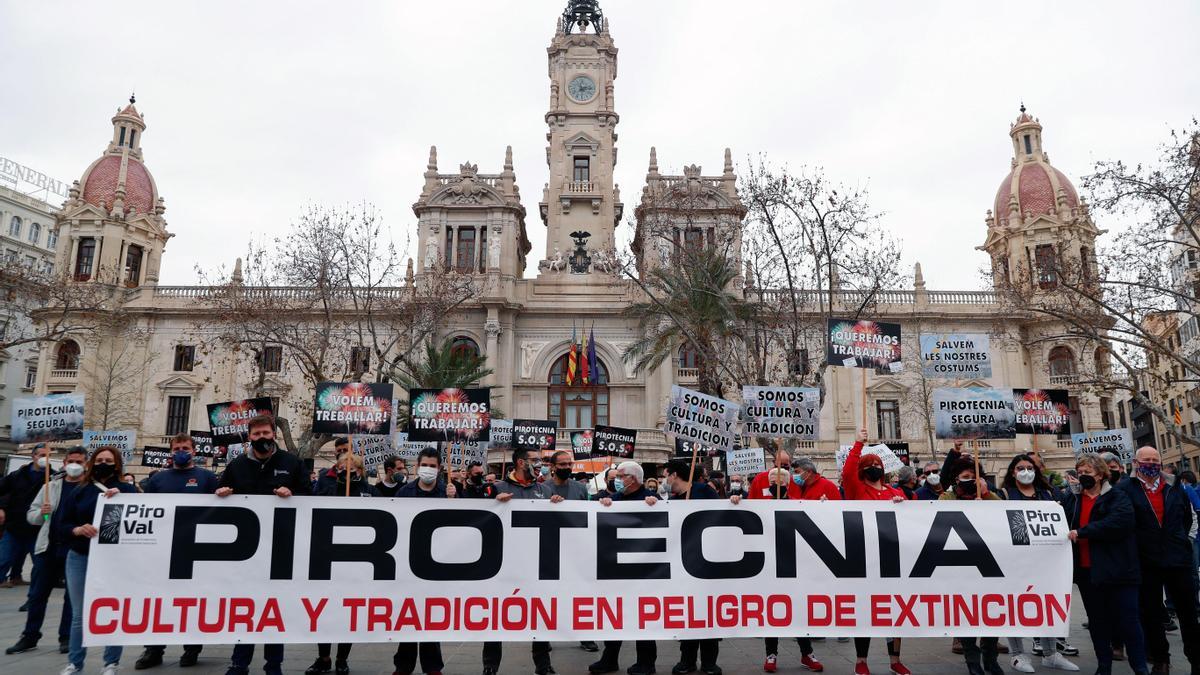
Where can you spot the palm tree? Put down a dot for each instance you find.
(688, 304)
(444, 367)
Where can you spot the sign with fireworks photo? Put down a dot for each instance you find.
(973, 413)
(352, 408)
(863, 344)
(228, 420)
(582, 443)
(449, 415)
(1042, 411)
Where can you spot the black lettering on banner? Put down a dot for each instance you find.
(851, 565)
(889, 544)
(420, 545)
(609, 545)
(934, 553)
(186, 551)
(692, 535)
(283, 543)
(323, 552)
(549, 535)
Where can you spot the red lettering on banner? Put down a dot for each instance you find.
(880, 611)
(673, 612)
(990, 600)
(582, 614)
(469, 621)
(844, 615)
(94, 626)
(609, 616)
(1058, 611)
(128, 625)
(408, 616)
(430, 623)
(241, 611)
(184, 604)
(822, 604)
(752, 609)
(271, 617)
(314, 613)
(649, 609)
(727, 614)
(906, 610)
(379, 612)
(157, 626)
(774, 602)
(929, 601)
(353, 604)
(207, 626)
(964, 613)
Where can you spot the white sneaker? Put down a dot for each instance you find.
(113, 669)
(69, 670)
(1021, 663)
(1058, 661)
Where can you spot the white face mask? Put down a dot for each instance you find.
(933, 479)
(735, 486)
(1025, 476)
(427, 474)
(74, 470)
(40, 462)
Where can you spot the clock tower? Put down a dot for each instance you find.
(580, 205)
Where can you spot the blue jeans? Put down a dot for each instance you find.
(243, 654)
(47, 568)
(1112, 612)
(13, 549)
(76, 575)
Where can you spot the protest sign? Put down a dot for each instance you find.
(228, 420)
(373, 448)
(203, 440)
(863, 344)
(702, 418)
(156, 457)
(538, 435)
(615, 442)
(745, 462)
(900, 449)
(1117, 441)
(973, 413)
(460, 454)
(956, 355)
(125, 441)
(409, 450)
(582, 444)
(891, 463)
(684, 449)
(502, 431)
(352, 408)
(53, 417)
(449, 414)
(783, 412)
(1042, 411)
(235, 450)
(824, 569)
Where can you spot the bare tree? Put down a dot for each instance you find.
(40, 308)
(115, 376)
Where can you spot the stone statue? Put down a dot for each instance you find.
(494, 253)
(557, 263)
(431, 252)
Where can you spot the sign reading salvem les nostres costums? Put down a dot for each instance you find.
(449, 415)
(708, 569)
(953, 356)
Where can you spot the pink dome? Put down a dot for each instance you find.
(1035, 190)
(101, 184)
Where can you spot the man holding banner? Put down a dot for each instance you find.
(17, 491)
(681, 484)
(426, 486)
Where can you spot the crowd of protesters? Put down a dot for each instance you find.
(1133, 539)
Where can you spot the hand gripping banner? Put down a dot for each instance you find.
(183, 569)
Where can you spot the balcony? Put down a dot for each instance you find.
(1063, 380)
(63, 376)
(687, 375)
(581, 187)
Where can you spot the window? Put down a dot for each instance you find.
(178, 408)
(30, 261)
(360, 359)
(689, 357)
(35, 233)
(121, 140)
(888, 418)
(693, 238)
(583, 170)
(798, 362)
(483, 249)
(578, 406)
(1085, 263)
(465, 261)
(30, 377)
(185, 357)
(51, 239)
(14, 227)
(83, 260)
(1047, 266)
(132, 135)
(448, 251)
(1028, 145)
(272, 359)
(133, 265)
(67, 356)
(48, 268)
(1062, 361)
(463, 347)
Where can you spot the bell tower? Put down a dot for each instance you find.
(580, 205)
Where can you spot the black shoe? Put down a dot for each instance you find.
(589, 646)
(1169, 625)
(640, 669)
(682, 668)
(149, 659)
(24, 607)
(341, 668)
(23, 645)
(974, 669)
(1065, 648)
(603, 666)
(319, 666)
(190, 658)
(64, 646)
(489, 671)
(548, 670)
(993, 668)
(710, 669)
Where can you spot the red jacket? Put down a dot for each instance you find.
(854, 486)
(761, 488)
(823, 487)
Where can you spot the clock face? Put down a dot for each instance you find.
(582, 88)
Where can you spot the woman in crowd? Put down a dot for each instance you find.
(102, 475)
(1106, 563)
(1024, 481)
(862, 478)
(349, 469)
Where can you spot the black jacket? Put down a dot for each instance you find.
(81, 509)
(249, 476)
(701, 490)
(412, 489)
(17, 491)
(1110, 536)
(336, 488)
(1165, 545)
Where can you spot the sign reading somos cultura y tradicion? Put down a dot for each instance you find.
(693, 416)
(783, 412)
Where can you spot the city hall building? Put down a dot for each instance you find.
(472, 219)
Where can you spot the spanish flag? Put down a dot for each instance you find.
(572, 359)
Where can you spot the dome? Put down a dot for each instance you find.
(101, 179)
(1032, 180)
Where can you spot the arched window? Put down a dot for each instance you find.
(14, 227)
(1062, 361)
(35, 233)
(578, 405)
(689, 357)
(67, 356)
(462, 347)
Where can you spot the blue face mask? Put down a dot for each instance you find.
(798, 479)
(181, 458)
(619, 485)
(1149, 470)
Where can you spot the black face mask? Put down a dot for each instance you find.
(1087, 482)
(562, 474)
(102, 472)
(399, 478)
(1116, 476)
(263, 446)
(612, 486)
(477, 479)
(873, 473)
(967, 488)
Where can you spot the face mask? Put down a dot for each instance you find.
(182, 458)
(1114, 477)
(427, 474)
(873, 473)
(967, 487)
(618, 485)
(477, 479)
(399, 478)
(543, 470)
(562, 474)
(735, 487)
(799, 479)
(1087, 482)
(74, 470)
(40, 462)
(1149, 470)
(1025, 476)
(933, 479)
(103, 472)
(263, 446)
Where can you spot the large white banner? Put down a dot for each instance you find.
(183, 569)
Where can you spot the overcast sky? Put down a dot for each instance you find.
(256, 109)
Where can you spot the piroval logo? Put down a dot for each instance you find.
(1034, 526)
(135, 521)
(110, 524)
(1017, 528)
